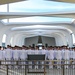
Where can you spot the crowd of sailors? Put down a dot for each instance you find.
(51, 53)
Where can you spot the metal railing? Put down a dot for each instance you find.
(40, 67)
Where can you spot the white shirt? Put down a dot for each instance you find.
(62, 53)
(59, 55)
(16, 54)
(74, 54)
(50, 54)
(23, 54)
(8, 53)
(36, 51)
(67, 54)
(55, 54)
(1, 54)
(30, 51)
(71, 53)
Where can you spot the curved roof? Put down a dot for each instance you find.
(50, 16)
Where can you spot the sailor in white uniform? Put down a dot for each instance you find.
(67, 57)
(44, 52)
(59, 57)
(23, 56)
(74, 57)
(29, 52)
(1, 56)
(8, 55)
(36, 51)
(50, 57)
(71, 55)
(55, 56)
(62, 54)
(16, 55)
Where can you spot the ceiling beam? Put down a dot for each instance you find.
(8, 15)
(37, 23)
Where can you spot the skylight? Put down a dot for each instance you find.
(3, 8)
(41, 6)
(36, 6)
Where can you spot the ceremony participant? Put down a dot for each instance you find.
(59, 57)
(55, 56)
(73, 57)
(8, 55)
(51, 57)
(1, 56)
(67, 57)
(62, 54)
(23, 55)
(16, 55)
(44, 52)
(29, 52)
(36, 51)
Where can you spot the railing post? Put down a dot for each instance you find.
(44, 67)
(6, 69)
(63, 70)
(25, 69)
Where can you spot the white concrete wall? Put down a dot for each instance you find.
(18, 38)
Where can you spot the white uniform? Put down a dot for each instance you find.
(67, 57)
(36, 52)
(50, 57)
(8, 55)
(30, 52)
(59, 57)
(51, 54)
(1, 57)
(74, 58)
(62, 53)
(43, 52)
(55, 54)
(23, 56)
(71, 54)
(16, 56)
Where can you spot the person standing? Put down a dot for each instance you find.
(67, 57)
(51, 57)
(59, 57)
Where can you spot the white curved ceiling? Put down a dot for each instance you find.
(41, 13)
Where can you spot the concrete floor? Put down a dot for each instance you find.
(20, 71)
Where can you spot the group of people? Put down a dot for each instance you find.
(51, 53)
